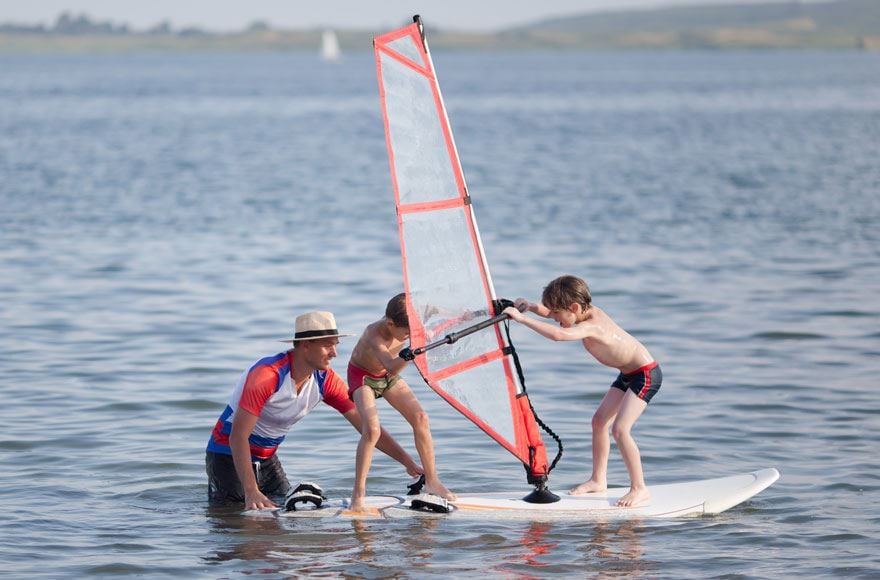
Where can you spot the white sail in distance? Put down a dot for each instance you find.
(330, 51)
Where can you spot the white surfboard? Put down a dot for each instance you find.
(693, 498)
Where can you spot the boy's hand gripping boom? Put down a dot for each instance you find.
(452, 337)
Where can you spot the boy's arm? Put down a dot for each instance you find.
(538, 309)
(390, 362)
(576, 332)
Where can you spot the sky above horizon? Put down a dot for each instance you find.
(224, 15)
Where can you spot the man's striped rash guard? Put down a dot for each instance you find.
(267, 390)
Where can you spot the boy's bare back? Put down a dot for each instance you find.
(611, 345)
(601, 336)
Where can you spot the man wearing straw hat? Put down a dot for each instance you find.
(271, 396)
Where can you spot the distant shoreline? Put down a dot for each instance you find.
(782, 25)
(353, 41)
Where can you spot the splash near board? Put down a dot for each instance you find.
(449, 292)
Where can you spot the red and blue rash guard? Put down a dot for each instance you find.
(267, 390)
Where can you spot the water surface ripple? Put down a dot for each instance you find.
(165, 217)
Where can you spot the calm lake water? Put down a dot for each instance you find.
(165, 217)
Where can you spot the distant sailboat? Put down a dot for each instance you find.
(330, 46)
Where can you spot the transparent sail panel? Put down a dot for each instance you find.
(483, 390)
(406, 46)
(421, 158)
(446, 284)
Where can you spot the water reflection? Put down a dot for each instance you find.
(250, 538)
(617, 547)
(536, 543)
(272, 545)
(321, 545)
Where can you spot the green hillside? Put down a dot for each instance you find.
(833, 24)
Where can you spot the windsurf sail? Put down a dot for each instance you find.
(446, 277)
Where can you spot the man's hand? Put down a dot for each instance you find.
(257, 501)
(406, 354)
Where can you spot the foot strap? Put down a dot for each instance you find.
(416, 485)
(306, 492)
(430, 503)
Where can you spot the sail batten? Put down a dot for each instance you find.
(446, 275)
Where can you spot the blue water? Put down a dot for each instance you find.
(165, 217)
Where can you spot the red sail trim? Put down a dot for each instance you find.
(417, 331)
(465, 366)
(539, 465)
(431, 205)
(404, 60)
(480, 423)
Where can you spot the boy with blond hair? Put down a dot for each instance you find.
(567, 300)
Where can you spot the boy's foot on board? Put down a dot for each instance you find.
(357, 506)
(589, 486)
(437, 488)
(635, 498)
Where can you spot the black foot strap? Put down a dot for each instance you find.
(416, 485)
(306, 492)
(427, 502)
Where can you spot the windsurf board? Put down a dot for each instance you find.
(671, 500)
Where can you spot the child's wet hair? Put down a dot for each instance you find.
(564, 291)
(396, 311)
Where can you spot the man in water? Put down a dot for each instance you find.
(271, 396)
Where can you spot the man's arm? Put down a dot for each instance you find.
(387, 445)
(242, 427)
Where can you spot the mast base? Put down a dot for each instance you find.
(541, 495)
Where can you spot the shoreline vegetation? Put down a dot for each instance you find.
(833, 24)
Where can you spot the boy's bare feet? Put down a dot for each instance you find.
(357, 506)
(635, 497)
(439, 489)
(588, 486)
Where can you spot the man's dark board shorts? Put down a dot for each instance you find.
(224, 486)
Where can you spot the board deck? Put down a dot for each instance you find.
(693, 498)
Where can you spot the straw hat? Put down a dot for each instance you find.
(314, 325)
